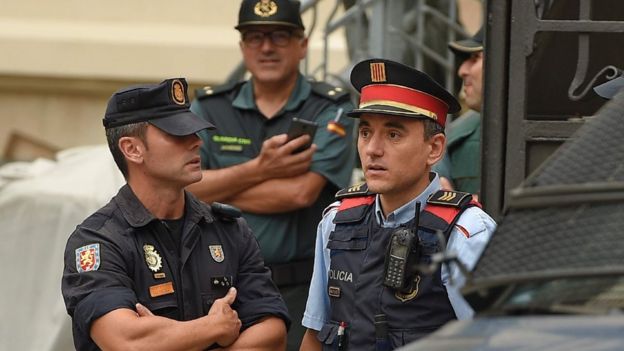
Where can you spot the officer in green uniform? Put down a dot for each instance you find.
(248, 161)
(461, 166)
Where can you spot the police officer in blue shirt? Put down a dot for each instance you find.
(374, 286)
(156, 268)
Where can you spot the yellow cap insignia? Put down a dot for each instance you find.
(177, 92)
(217, 253)
(265, 8)
(378, 72)
(152, 258)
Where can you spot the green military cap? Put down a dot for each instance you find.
(270, 12)
(466, 47)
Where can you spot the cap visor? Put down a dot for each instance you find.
(467, 46)
(385, 110)
(185, 123)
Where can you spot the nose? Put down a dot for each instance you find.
(374, 147)
(464, 69)
(267, 43)
(193, 140)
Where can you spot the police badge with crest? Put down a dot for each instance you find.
(216, 251)
(152, 258)
(265, 8)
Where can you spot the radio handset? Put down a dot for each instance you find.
(403, 256)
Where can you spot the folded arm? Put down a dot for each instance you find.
(276, 160)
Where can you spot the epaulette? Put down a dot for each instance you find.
(207, 91)
(449, 198)
(329, 91)
(354, 191)
(225, 212)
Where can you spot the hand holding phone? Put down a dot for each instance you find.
(299, 127)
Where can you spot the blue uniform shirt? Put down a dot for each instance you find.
(468, 248)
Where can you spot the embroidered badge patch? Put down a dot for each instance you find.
(88, 258)
(410, 295)
(265, 8)
(177, 92)
(217, 253)
(152, 258)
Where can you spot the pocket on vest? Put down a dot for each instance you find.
(347, 240)
(400, 337)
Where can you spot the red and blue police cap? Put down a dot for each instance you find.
(165, 105)
(391, 88)
(270, 12)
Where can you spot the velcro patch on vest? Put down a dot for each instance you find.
(334, 291)
(449, 198)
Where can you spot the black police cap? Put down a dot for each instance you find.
(165, 105)
(468, 46)
(269, 12)
(388, 87)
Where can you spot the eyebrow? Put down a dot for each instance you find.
(389, 124)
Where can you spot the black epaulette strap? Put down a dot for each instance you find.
(225, 212)
(208, 91)
(354, 191)
(443, 210)
(329, 91)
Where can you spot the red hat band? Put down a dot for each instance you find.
(404, 98)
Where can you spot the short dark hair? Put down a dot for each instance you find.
(114, 134)
(432, 128)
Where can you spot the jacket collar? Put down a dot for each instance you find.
(137, 215)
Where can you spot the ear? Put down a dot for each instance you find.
(304, 48)
(133, 149)
(437, 145)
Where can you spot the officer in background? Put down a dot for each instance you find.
(460, 169)
(374, 287)
(249, 162)
(155, 255)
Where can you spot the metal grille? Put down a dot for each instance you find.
(567, 238)
(597, 155)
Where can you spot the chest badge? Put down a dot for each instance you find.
(217, 253)
(152, 258)
(403, 297)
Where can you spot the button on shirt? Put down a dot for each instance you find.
(468, 249)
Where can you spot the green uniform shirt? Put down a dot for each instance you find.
(462, 162)
(241, 129)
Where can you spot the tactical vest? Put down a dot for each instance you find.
(358, 249)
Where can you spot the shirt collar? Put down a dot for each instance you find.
(244, 100)
(138, 216)
(405, 213)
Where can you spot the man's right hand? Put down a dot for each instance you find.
(225, 318)
(276, 159)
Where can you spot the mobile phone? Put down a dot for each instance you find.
(299, 127)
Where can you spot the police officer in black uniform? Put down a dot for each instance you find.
(156, 268)
(249, 161)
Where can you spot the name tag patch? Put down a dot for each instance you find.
(161, 289)
(334, 291)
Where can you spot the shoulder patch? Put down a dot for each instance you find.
(329, 91)
(88, 258)
(354, 191)
(225, 212)
(449, 198)
(208, 91)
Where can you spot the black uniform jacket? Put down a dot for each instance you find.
(122, 255)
